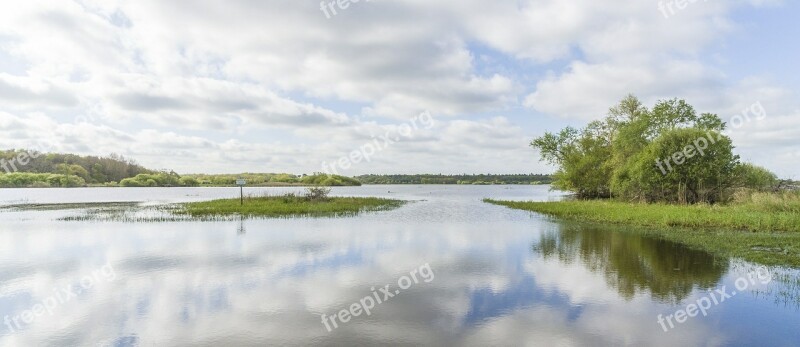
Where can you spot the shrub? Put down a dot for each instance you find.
(317, 193)
(189, 182)
(755, 177)
(701, 178)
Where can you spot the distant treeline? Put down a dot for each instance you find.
(456, 179)
(31, 169)
(24, 168)
(272, 179)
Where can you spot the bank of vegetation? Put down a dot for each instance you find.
(479, 179)
(28, 168)
(670, 168)
(32, 169)
(271, 179)
(314, 203)
(758, 227)
(665, 154)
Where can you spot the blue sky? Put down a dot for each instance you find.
(275, 86)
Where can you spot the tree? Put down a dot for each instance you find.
(755, 177)
(619, 156)
(672, 169)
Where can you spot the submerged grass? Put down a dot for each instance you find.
(287, 206)
(67, 206)
(759, 232)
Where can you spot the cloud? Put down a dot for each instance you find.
(16, 92)
(280, 73)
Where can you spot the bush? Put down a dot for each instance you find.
(317, 193)
(189, 182)
(701, 178)
(755, 177)
(39, 180)
(321, 179)
(161, 179)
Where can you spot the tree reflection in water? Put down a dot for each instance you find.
(631, 263)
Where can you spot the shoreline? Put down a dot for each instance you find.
(768, 238)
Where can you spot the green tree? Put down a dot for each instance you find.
(673, 169)
(755, 177)
(617, 156)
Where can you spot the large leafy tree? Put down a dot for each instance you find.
(581, 158)
(617, 157)
(694, 177)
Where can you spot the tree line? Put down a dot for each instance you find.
(479, 179)
(64, 170)
(30, 169)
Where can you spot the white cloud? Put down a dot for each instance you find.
(223, 72)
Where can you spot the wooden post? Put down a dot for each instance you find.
(241, 182)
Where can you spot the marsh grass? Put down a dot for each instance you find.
(67, 206)
(784, 290)
(288, 205)
(130, 214)
(758, 227)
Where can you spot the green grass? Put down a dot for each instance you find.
(757, 230)
(288, 206)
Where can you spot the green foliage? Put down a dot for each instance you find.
(161, 179)
(287, 206)
(92, 169)
(317, 193)
(455, 179)
(271, 179)
(653, 175)
(780, 201)
(645, 155)
(40, 180)
(321, 179)
(771, 219)
(755, 177)
(189, 182)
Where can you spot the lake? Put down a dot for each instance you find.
(459, 272)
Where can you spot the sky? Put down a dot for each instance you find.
(445, 86)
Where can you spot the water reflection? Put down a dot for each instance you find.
(241, 230)
(208, 284)
(633, 264)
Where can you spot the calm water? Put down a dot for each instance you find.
(494, 276)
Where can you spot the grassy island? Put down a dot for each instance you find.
(763, 229)
(289, 205)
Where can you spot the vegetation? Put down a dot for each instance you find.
(46, 170)
(90, 169)
(455, 179)
(40, 180)
(161, 179)
(268, 179)
(314, 204)
(665, 154)
(317, 193)
(756, 226)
